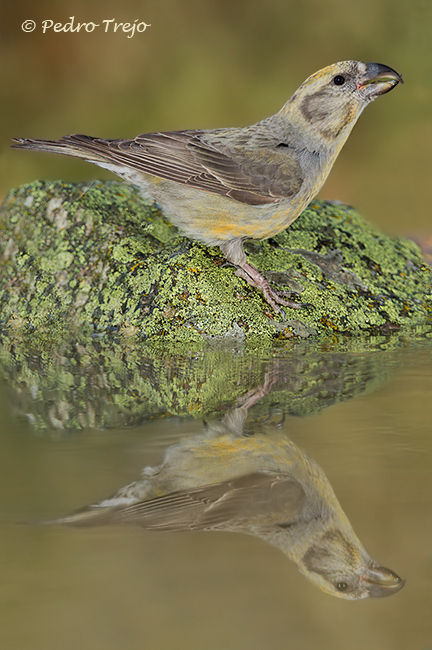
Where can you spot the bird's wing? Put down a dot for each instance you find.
(255, 499)
(253, 175)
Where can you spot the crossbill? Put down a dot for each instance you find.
(262, 485)
(226, 185)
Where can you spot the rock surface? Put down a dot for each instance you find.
(98, 258)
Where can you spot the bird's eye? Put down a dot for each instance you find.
(341, 586)
(339, 80)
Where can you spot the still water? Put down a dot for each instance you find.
(278, 445)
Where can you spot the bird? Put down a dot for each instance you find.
(261, 484)
(223, 186)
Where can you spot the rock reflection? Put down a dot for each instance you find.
(75, 384)
(259, 483)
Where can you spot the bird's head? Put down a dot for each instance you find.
(331, 100)
(340, 566)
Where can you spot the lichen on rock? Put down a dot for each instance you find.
(97, 257)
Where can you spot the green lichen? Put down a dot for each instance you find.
(98, 257)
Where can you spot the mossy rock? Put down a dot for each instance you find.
(97, 257)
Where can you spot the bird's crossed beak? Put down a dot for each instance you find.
(378, 80)
(380, 581)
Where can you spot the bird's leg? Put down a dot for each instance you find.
(234, 253)
(254, 278)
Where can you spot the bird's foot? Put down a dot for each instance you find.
(255, 279)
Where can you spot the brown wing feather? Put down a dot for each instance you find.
(255, 499)
(253, 175)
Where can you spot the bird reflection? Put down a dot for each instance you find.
(261, 484)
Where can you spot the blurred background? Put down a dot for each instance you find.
(220, 63)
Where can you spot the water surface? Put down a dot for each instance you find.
(361, 412)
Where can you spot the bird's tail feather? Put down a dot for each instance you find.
(80, 146)
(87, 516)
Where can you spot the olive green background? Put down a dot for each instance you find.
(220, 63)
